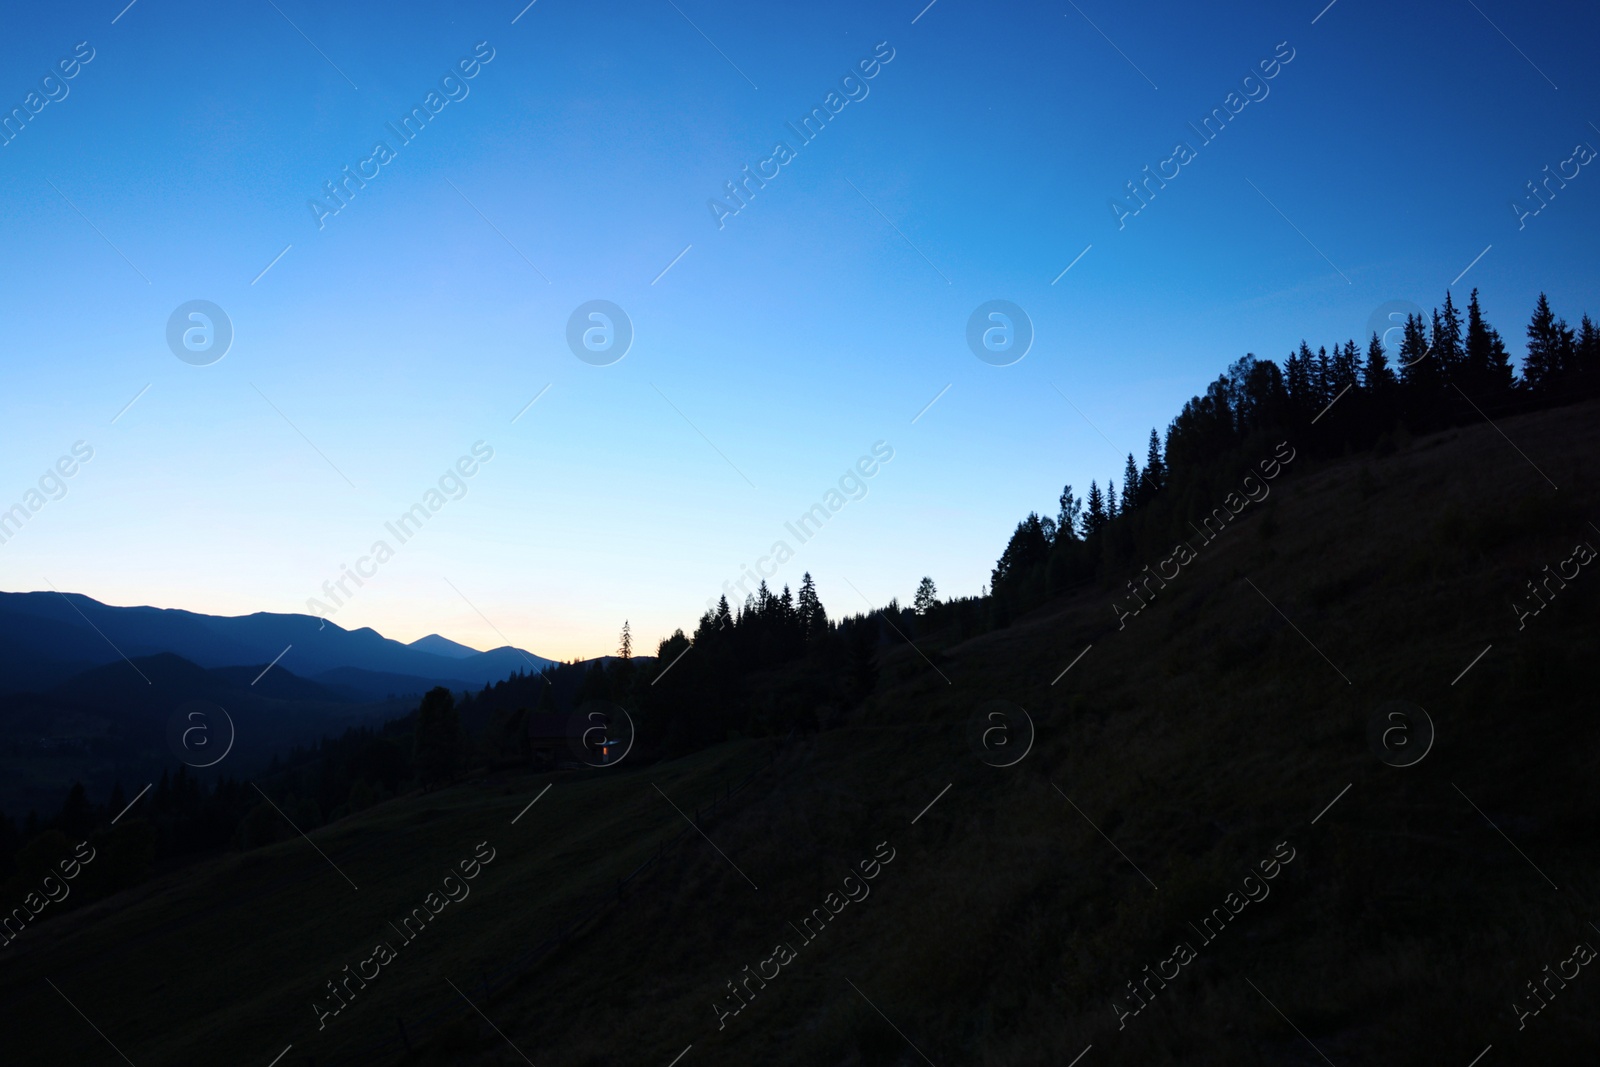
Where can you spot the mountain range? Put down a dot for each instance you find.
(47, 637)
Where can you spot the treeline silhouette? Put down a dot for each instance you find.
(1445, 370)
(778, 664)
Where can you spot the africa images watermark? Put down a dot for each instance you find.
(855, 89)
(1184, 553)
(1583, 153)
(784, 953)
(852, 485)
(1183, 153)
(403, 528)
(384, 953)
(339, 194)
(54, 89)
(1183, 953)
(12, 925)
(52, 486)
(1582, 555)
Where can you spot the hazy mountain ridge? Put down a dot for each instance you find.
(46, 637)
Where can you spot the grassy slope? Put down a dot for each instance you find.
(1197, 738)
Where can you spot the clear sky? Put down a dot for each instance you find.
(576, 165)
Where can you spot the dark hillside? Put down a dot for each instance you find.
(1223, 731)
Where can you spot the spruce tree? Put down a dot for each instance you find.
(1132, 494)
(1111, 499)
(813, 617)
(1298, 371)
(437, 742)
(1378, 378)
(1155, 470)
(927, 597)
(1094, 512)
(1417, 366)
(1447, 340)
(1070, 516)
(1346, 369)
(1542, 366)
(1477, 352)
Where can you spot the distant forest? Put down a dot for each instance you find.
(778, 664)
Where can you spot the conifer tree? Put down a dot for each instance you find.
(1322, 378)
(1298, 373)
(1346, 369)
(1542, 367)
(1111, 499)
(437, 742)
(1067, 521)
(1417, 365)
(1155, 470)
(1588, 354)
(1094, 511)
(1378, 379)
(625, 644)
(927, 597)
(1132, 494)
(813, 618)
(1447, 340)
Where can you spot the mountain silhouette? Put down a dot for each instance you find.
(47, 637)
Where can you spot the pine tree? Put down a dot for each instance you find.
(1378, 378)
(1132, 495)
(1417, 368)
(1588, 354)
(625, 646)
(437, 742)
(1346, 369)
(1067, 522)
(1111, 499)
(1542, 366)
(1155, 470)
(1322, 378)
(1298, 372)
(1447, 340)
(927, 597)
(813, 618)
(1476, 353)
(1094, 512)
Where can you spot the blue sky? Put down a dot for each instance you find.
(821, 318)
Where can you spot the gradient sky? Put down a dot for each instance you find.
(820, 319)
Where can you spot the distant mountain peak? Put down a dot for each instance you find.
(443, 646)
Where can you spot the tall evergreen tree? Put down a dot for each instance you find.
(625, 643)
(1378, 378)
(813, 619)
(1298, 380)
(1588, 355)
(1132, 496)
(1094, 511)
(437, 742)
(1069, 518)
(1542, 366)
(1447, 340)
(1112, 511)
(1155, 470)
(1487, 365)
(1322, 387)
(927, 597)
(1418, 368)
